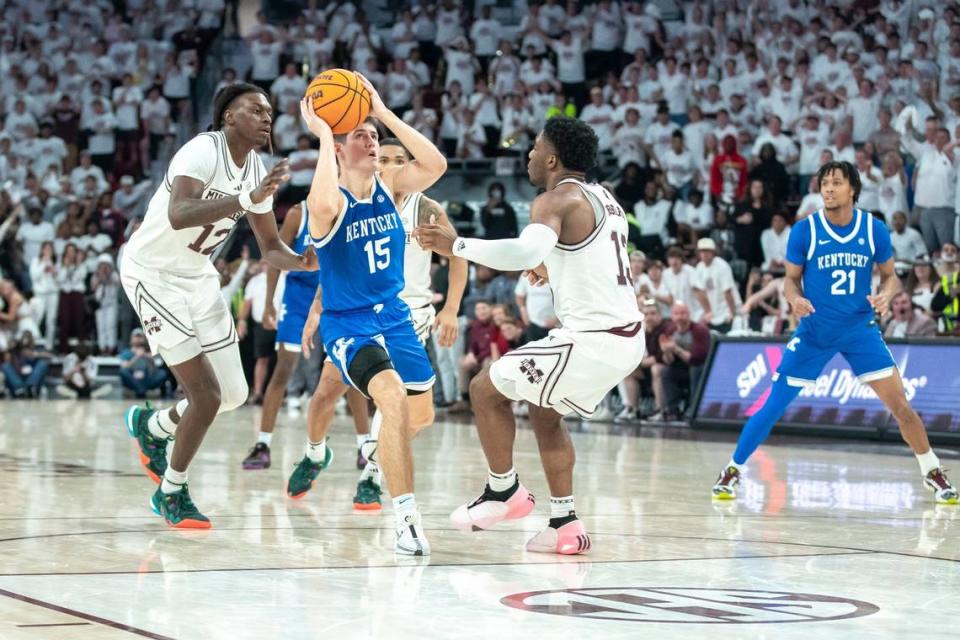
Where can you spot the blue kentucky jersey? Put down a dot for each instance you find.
(361, 258)
(838, 267)
(308, 279)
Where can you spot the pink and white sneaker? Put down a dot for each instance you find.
(488, 510)
(570, 539)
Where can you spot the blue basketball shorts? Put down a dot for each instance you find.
(862, 346)
(389, 326)
(292, 314)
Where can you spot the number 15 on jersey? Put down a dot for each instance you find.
(378, 254)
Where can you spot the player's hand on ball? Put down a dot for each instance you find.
(376, 104)
(317, 125)
(446, 327)
(802, 307)
(437, 238)
(272, 182)
(880, 303)
(309, 259)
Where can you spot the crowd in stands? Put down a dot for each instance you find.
(712, 124)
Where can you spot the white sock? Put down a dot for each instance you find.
(502, 481)
(732, 463)
(403, 506)
(561, 507)
(928, 462)
(361, 438)
(160, 425)
(265, 438)
(375, 423)
(317, 451)
(372, 469)
(173, 481)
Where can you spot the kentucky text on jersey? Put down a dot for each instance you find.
(842, 260)
(372, 226)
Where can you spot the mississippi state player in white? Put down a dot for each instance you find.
(415, 209)
(576, 239)
(166, 272)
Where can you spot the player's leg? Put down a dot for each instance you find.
(361, 422)
(394, 453)
(873, 364)
(503, 496)
(802, 362)
(287, 357)
(203, 397)
(564, 533)
(320, 413)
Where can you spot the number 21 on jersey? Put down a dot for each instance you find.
(844, 282)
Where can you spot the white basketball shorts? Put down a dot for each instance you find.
(181, 316)
(570, 371)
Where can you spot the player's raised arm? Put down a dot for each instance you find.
(446, 323)
(324, 200)
(416, 175)
(510, 254)
(191, 167)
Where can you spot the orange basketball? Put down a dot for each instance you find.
(339, 98)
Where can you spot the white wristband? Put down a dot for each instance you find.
(248, 205)
(509, 254)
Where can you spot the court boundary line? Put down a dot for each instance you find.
(83, 616)
(580, 560)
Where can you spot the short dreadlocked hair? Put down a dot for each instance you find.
(575, 142)
(226, 96)
(847, 170)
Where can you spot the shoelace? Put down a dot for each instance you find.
(937, 477)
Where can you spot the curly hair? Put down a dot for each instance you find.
(847, 170)
(575, 142)
(226, 96)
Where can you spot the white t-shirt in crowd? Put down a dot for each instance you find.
(653, 218)
(680, 168)
(286, 90)
(812, 142)
(485, 35)
(774, 246)
(266, 60)
(869, 199)
(570, 64)
(157, 115)
(539, 302)
(303, 177)
(126, 102)
(714, 281)
(256, 293)
(908, 245)
(32, 236)
(680, 285)
(892, 197)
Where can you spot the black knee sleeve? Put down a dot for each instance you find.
(368, 362)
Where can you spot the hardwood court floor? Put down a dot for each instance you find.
(833, 538)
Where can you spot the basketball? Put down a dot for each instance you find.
(340, 99)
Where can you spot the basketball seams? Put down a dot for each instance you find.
(341, 79)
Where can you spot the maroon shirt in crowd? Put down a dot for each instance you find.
(482, 335)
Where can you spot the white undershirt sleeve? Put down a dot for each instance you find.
(512, 254)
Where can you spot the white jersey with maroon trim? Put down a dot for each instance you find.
(591, 281)
(158, 246)
(416, 260)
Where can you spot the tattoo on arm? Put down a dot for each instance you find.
(427, 208)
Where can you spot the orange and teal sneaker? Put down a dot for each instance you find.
(304, 474)
(153, 450)
(368, 495)
(178, 510)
